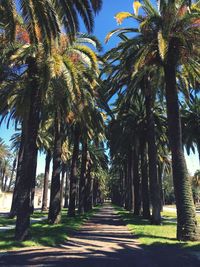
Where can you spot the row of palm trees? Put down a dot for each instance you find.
(157, 58)
(51, 86)
(49, 77)
(7, 167)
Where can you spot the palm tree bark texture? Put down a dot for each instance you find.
(82, 184)
(152, 155)
(29, 162)
(55, 203)
(187, 228)
(73, 175)
(46, 180)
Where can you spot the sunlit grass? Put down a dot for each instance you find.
(156, 235)
(43, 234)
(5, 221)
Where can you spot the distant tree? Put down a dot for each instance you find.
(39, 180)
(196, 186)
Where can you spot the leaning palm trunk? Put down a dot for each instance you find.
(152, 153)
(29, 162)
(73, 175)
(55, 204)
(187, 228)
(46, 180)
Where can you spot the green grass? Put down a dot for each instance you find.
(39, 214)
(156, 235)
(4, 221)
(44, 234)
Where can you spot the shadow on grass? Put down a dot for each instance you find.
(152, 236)
(4, 221)
(44, 234)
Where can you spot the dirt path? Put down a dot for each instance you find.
(104, 241)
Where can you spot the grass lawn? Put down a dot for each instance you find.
(161, 235)
(4, 221)
(44, 234)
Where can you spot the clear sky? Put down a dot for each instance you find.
(104, 23)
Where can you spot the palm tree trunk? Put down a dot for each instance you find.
(46, 180)
(89, 189)
(62, 184)
(12, 173)
(5, 183)
(54, 216)
(82, 183)
(29, 162)
(95, 191)
(66, 204)
(136, 181)
(123, 187)
(145, 181)
(3, 179)
(126, 203)
(152, 153)
(187, 228)
(14, 205)
(130, 189)
(160, 176)
(73, 175)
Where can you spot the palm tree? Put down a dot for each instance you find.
(55, 205)
(73, 174)
(122, 77)
(196, 186)
(45, 144)
(169, 38)
(196, 179)
(4, 164)
(46, 180)
(41, 22)
(152, 154)
(190, 118)
(44, 19)
(75, 73)
(97, 168)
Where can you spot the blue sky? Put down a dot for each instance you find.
(104, 23)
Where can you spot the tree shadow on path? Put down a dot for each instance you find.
(104, 241)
